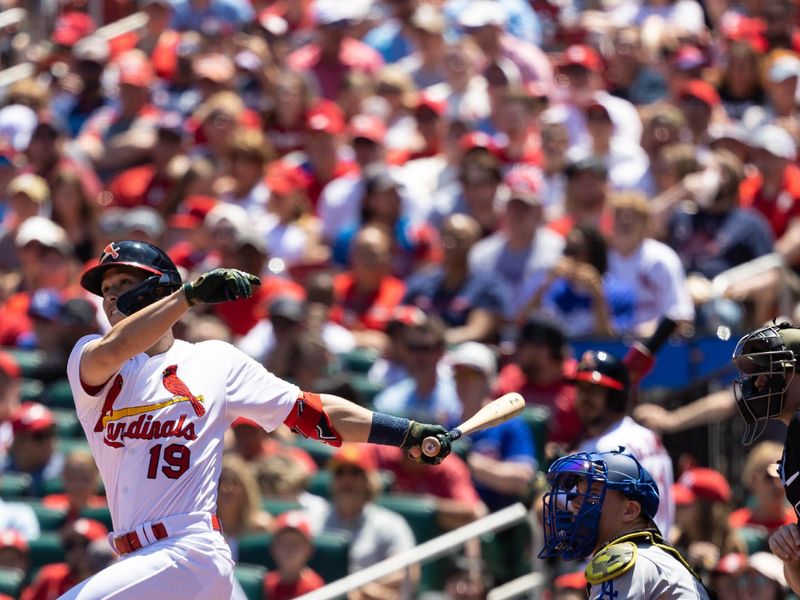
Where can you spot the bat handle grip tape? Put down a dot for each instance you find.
(431, 446)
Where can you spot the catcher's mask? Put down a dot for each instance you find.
(574, 503)
(766, 366)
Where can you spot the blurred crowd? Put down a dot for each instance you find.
(438, 197)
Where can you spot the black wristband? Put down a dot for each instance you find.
(191, 299)
(387, 430)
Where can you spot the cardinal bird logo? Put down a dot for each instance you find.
(176, 387)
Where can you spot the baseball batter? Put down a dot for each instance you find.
(604, 504)
(155, 408)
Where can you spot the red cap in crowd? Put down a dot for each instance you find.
(701, 483)
(11, 538)
(89, 528)
(731, 563)
(369, 127)
(436, 105)
(135, 69)
(31, 417)
(478, 139)
(525, 184)
(284, 180)
(9, 365)
(579, 55)
(570, 581)
(325, 117)
(701, 90)
(239, 421)
(71, 27)
(193, 212)
(294, 519)
(356, 455)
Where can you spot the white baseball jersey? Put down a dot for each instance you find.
(647, 448)
(156, 428)
(655, 576)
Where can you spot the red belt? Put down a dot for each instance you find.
(130, 541)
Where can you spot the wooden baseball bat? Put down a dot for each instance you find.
(497, 411)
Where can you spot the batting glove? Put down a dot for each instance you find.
(418, 432)
(220, 285)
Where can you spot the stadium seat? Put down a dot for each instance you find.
(251, 578)
(28, 360)
(331, 554)
(14, 485)
(11, 582)
(357, 361)
(67, 424)
(320, 484)
(30, 390)
(45, 549)
(419, 513)
(321, 453)
(506, 552)
(67, 445)
(254, 549)
(365, 389)
(100, 513)
(58, 395)
(755, 538)
(50, 519)
(277, 507)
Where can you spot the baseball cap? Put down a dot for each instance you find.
(71, 27)
(769, 566)
(33, 186)
(294, 519)
(700, 90)
(325, 117)
(93, 49)
(775, 140)
(17, 123)
(591, 163)
(88, 528)
(429, 19)
(480, 140)
(9, 365)
(44, 231)
(31, 417)
(702, 483)
(334, 12)
(727, 131)
(731, 563)
(193, 212)
(11, 538)
(783, 68)
(571, 581)
(45, 304)
(135, 69)
(524, 185)
(355, 455)
(580, 55)
(172, 122)
(687, 58)
(474, 355)
(479, 13)
(289, 308)
(369, 127)
(283, 179)
(435, 104)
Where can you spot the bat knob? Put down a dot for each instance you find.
(431, 446)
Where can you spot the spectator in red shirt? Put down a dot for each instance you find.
(53, 580)
(292, 545)
(80, 483)
(335, 53)
(539, 371)
(367, 295)
(768, 509)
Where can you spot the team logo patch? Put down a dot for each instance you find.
(611, 562)
(110, 251)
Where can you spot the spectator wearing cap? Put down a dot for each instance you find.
(662, 125)
(650, 267)
(583, 68)
(723, 577)
(626, 163)
(701, 532)
(248, 154)
(376, 533)
(517, 125)
(698, 100)
(285, 125)
(523, 248)
(213, 72)
(741, 86)
(391, 365)
(425, 63)
(631, 77)
(55, 579)
(13, 551)
(782, 70)
(366, 295)
(414, 245)
(71, 27)
(239, 503)
(140, 223)
(214, 123)
(121, 136)
(165, 176)
(191, 241)
(763, 577)
(71, 110)
(501, 77)
(585, 195)
(211, 17)
(502, 459)
(300, 354)
(485, 21)
(335, 53)
(472, 305)
(431, 127)
(465, 92)
(766, 510)
(28, 195)
(428, 391)
(33, 448)
(46, 257)
(291, 547)
(80, 479)
(554, 141)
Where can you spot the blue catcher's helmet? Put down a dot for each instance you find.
(573, 505)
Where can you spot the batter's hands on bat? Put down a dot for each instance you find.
(417, 432)
(785, 543)
(220, 285)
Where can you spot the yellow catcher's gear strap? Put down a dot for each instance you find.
(612, 561)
